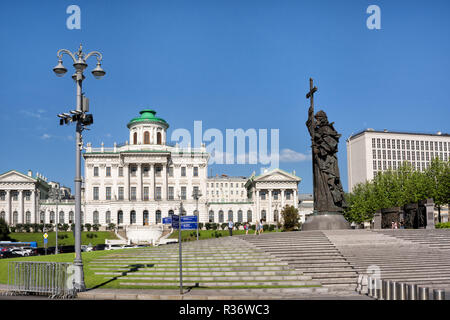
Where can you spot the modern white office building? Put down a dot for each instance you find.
(371, 151)
(140, 182)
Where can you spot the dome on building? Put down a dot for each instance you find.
(147, 129)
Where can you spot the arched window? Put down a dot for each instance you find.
(132, 217)
(170, 213)
(28, 217)
(158, 138)
(15, 218)
(3, 215)
(145, 218)
(71, 218)
(108, 217)
(249, 216)
(119, 217)
(220, 216)
(263, 215)
(240, 218)
(42, 217)
(52, 217)
(95, 217)
(61, 217)
(158, 216)
(230, 215)
(275, 215)
(196, 213)
(146, 137)
(211, 216)
(135, 138)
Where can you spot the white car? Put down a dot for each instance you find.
(85, 248)
(19, 251)
(114, 247)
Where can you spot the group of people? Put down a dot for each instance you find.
(258, 229)
(397, 225)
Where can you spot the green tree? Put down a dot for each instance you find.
(290, 218)
(4, 231)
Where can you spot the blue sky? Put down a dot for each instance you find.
(230, 64)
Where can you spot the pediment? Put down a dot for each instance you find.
(277, 175)
(15, 176)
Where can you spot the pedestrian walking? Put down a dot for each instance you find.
(230, 227)
(261, 226)
(246, 226)
(257, 228)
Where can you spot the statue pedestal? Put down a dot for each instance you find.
(325, 221)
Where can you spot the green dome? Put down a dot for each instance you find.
(148, 115)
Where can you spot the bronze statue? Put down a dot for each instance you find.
(328, 191)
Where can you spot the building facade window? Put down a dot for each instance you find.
(170, 171)
(145, 171)
(158, 216)
(146, 194)
(171, 195)
(28, 217)
(120, 193)
(108, 193)
(135, 138)
(195, 171)
(95, 171)
(249, 216)
(133, 193)
(120, 172)
(230, 215)
(108, 171)
(158, 193)
(95, 196)
(61, 217)
(146, 137)
(95, 217)
(133, 217)
(183, 193)
(211, 216)
(108, 217)
(52, 217)
(239, 216)
(221, 216)
(183, 171)
(158, 138)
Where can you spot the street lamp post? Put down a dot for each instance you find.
(82, 119)
(196, 195)
(55, 195)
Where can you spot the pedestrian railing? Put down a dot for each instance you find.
(55, 279)
(391, 290)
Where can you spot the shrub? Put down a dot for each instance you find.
(111, 226)
(72, 227)
(443, 225)
(96, 226)
(19, 227)
(224, 225)
(4, 231)
(214, 226)
(88, 226)
(253, 227)
(208, 226)
(62, 236)
(237, 225)
(200, 225)
(65, 227)
(265, 227)
(271, 227)
(91, 235)
(27, 227)
(41, 227)
(49, 227)
(216, 234)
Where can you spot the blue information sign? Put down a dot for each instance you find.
(45, 240)
(189, 219)
(167, 220)
(188, 226)
(175, 221)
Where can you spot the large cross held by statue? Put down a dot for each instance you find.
(310, 94)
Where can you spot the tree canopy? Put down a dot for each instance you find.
(395, 188)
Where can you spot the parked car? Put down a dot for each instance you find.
(114, 247)
(8, 254)
(19, 252)
(100, 246)
(128, 246)
(66, 249)
(30, 250)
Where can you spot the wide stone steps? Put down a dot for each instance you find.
(230, 262)
(311, 253)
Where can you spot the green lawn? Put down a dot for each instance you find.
(99, 237)
(188, 235)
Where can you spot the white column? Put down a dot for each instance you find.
(295, 198)
(269, 213)
(33, 204)
(21, 219)
(152, 182)
(126, 195)
(8, 207)
(164, 182)
(258, 206)
(139, 179)
(282, 198)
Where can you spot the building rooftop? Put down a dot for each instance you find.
(147, 115)
(370, 130)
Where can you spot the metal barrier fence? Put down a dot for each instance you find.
(392, 290)
(55, 279)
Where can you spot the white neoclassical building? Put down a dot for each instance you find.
(144, 180)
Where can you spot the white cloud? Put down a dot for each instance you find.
(46, 136)
(288, 155)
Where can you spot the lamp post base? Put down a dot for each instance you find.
(325, 221)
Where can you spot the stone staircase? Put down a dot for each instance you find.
(216, 263)
(411, 256)
(311, 253)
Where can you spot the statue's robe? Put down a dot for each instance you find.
(328, 191)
